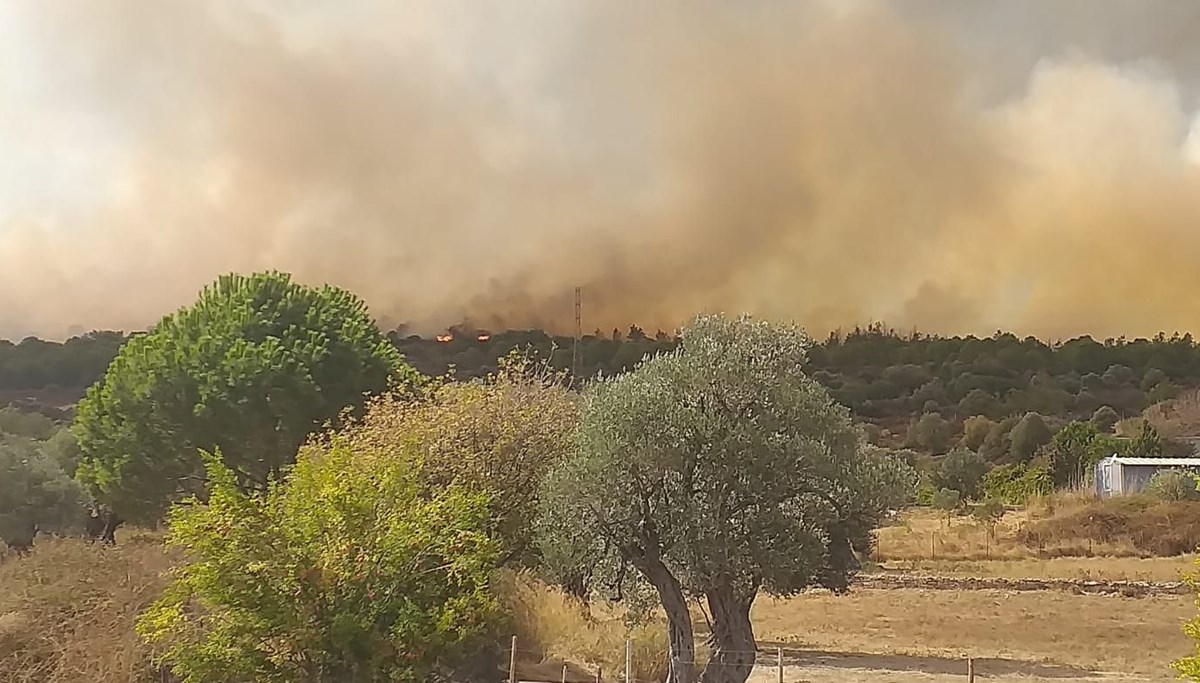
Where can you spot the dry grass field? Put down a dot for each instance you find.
(67, 611)
(1021, 631)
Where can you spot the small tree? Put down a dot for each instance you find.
(351, 571)
(947, 500)
(1105, 418)
(961, 470)
(989, 513)
(717, 471)
(1027, 436)
(930, 433)
(251, 369)
(35, 494)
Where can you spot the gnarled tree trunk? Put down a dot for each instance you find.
(734, 651)
(679, 622)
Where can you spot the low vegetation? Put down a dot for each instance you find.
(68, 610)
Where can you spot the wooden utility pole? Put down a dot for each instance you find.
(780, 653)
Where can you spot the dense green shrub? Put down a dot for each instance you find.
(351, 571)
(1016, 484)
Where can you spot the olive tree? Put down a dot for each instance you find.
(252, 368)
(714, 472)
(35, 494)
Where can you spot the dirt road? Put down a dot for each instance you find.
(838, 667)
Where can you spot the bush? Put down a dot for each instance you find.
(975, 431)
(35, 494)
(1016, 484)
(1028, 435)
(1173, 485)
(961, 470)
(930, 433)
(947, 500)
(349, 571)
(1105, 418)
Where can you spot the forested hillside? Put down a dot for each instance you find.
(882, 375)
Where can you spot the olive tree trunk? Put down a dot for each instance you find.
(680, 633)
(734, 651)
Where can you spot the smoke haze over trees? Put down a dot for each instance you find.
(478, 160)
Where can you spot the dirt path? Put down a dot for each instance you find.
(810, 666)
(1129, 589)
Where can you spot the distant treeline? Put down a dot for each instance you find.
(879, 373)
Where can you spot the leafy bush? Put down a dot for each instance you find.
(351, 570)
(1173, 485)
(961, 470)
(1105, 418)
(35, 493)
(975, 431)
(1028, 435)
(930, 433)
(947, 500)
(1016, 484)
(498, 435)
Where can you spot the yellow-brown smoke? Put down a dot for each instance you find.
(831, 163)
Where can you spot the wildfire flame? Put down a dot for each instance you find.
(484, 337)
(445, 338)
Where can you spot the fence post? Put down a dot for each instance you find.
(970, 670)
(780, 653)
(512, 662)
(599, 673)
(628, 661)
(564, 678)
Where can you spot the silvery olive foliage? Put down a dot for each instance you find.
(715, 471)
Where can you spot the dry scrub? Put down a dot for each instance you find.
(552, 629)
(67, 611)
(1062, 526)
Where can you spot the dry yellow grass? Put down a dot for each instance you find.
(553, 629)
(67, 611)
(1133, 636)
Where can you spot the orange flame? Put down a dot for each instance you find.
(445, 338)
(484, 337)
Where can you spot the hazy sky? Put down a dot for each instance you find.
(958, 166)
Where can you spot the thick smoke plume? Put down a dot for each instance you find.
(831, 163)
